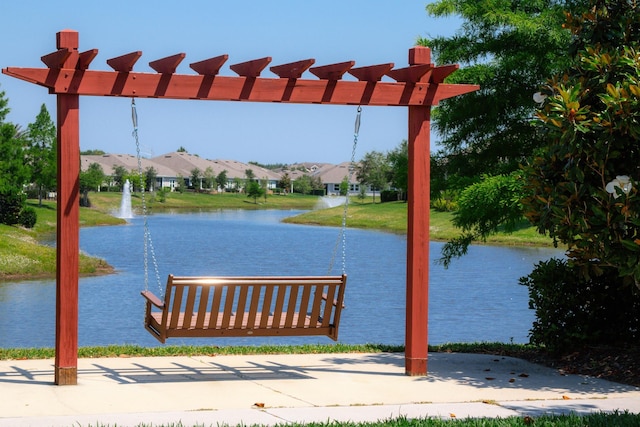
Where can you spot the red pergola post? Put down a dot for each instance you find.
(416, 336)
(66, 360)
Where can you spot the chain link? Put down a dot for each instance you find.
(148, 243)
(341, 241)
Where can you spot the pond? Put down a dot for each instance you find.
(477, 299)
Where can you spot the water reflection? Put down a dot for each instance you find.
(477, 299)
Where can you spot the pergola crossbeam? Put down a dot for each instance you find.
(56, 59)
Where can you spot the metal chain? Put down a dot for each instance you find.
(342, 236)
(148, 243)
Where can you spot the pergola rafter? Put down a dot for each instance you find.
(418, 86)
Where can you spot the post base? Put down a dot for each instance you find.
(415, 367)
(66, 376)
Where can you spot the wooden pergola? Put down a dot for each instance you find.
(419, 86)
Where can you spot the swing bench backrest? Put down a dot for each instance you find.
(246, 306)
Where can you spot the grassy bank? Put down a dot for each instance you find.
(23, 257)
(392, 217)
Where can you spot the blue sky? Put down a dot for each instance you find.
(368, 32)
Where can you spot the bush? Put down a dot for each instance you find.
(11, 205)
(389, 196)
(573, 312)
(28, 217)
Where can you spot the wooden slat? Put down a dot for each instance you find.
(266, 306)
(277, 311)
(304, 305)
(317, 303)
(192, 292)
(329, 307)
(332, 71)
(251, 68)
(209, 67)
(291, 306)
(254, 306)
(175, 307)
(241, 307)
(167, 65)
(442, 72)
(228, 306)
(124, 63)
(215, 307)
(293, 70)
(202, 306)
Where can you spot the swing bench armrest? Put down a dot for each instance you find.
(150, 297)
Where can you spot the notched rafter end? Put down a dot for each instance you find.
(56, 59)
(167, 65)
(251, 68)
(125, 62)
(332, 71)
(209, 67)
(411, 74)
(442, 72)
(371, 73)
(292, 70)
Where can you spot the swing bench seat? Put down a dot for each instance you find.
(211, 307)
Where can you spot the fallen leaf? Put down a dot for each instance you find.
(487, 370)
(527, 420)
(512, 380)
(566, 398)
(489, 378)
(259, 405)
(452, 415)
(523, 375)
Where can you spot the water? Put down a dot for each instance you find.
(476, 299)
(125, 204)
(330, 202)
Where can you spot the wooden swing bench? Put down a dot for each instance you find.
(199, 307)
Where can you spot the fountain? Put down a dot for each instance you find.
(330, 202)
(125, 204)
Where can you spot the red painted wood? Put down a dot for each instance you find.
(293, 70)
(418, 209)
(416, 338)
(56, 59)
(67, 241)
(167, 65)
(85, 59)
(442, 72)
(124, 63)
(411, 74)
(209, 67)
(332, 71)
(371, 73)
(251, 68)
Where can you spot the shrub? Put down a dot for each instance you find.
(573, 311)
(11, 204)
(389, 196)
(28, 217)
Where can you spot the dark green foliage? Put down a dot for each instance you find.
(28, 217)
(573, 311)
(389, 196)
(11, 205)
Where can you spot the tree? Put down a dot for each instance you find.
(41, 152)
(209, 177)
(150, 175)
(285, 182)
(344, 186)
(222, 180)
(119, 176)
(90, 180)
(302, 184)
(255, 190)
(584, 185)
(398, 159)
(509, 48)
(181, 149)
(373, 170)
(196, 178)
